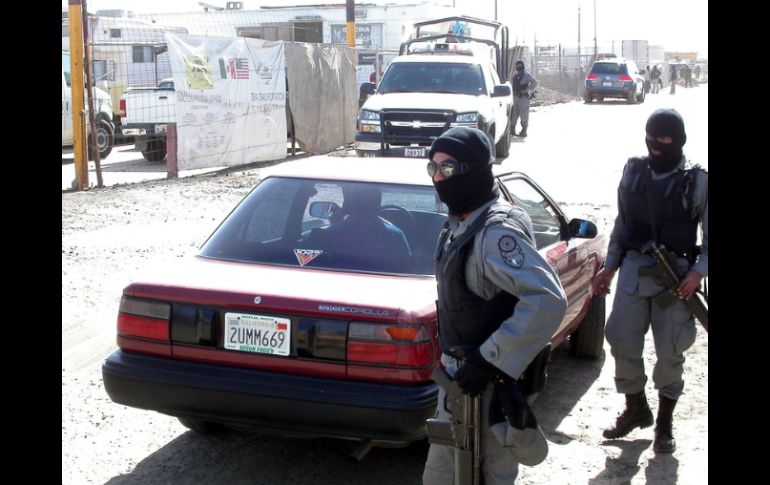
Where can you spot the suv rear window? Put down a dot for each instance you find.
(609, 68)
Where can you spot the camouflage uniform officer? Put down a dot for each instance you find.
(661, 199)
(486, 265)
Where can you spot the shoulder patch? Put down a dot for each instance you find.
(510, 251)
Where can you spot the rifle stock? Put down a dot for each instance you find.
(667, 272)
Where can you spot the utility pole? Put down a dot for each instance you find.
(596, 50)
(580, 59)
(350, 18)
(75, 15)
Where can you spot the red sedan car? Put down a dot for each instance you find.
(271, 327)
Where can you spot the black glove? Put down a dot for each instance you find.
(475, 373)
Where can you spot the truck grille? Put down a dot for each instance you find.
(420, 127)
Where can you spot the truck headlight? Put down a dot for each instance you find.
(368, 115)
(369, 121)
(467, 117)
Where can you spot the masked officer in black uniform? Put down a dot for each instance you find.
(496, 294)
(659, 198)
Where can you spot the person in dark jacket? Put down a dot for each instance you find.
(661, 199)
(496, 295)
(524, 85)
(673, 76)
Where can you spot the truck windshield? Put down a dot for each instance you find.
(432, 77)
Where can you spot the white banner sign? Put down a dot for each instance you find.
(230, 100)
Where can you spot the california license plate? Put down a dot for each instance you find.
(414, 152)
(259, 334)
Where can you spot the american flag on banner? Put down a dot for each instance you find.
(234, 68)
(239, 68)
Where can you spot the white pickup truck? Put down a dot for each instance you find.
(105, 130)
(434, 86)
(145, 113)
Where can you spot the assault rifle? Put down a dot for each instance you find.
(667, 272)
(463, 431)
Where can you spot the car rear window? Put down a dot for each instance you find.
(609, 68)
(341, 225)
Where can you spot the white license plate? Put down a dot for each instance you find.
(259, 334)
(414, 152)
(606, 84)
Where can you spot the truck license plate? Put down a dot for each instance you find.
(259, 334)
(414, 152)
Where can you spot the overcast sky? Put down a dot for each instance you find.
(678, 25)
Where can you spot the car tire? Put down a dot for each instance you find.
(587, 99)
(600, 99)
(155, 151)
(588, 340)
(631, 98)
(201, 426)
(105, 139)
(503, 147)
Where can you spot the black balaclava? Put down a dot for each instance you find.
(665, 122)
(470, 190)
(520, 65)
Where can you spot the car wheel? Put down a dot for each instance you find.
(600, 99)
(588, 99)
(155, 151)
(588, 340)
(201, 426)
(105, 137)
(502, 148)
(631, 98)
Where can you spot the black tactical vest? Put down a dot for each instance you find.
(661, 211)
(465, 318)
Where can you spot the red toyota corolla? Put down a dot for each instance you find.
(277, 325)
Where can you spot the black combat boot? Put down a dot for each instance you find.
(636, 414)
(664, 436)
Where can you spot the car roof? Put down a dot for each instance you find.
(394, 170)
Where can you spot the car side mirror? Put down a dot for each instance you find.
(367, 88)
(582, 228)
(501, 90)
(323, 210)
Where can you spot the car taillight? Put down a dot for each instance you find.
(625, 77)
(122, 108)
(590, 77)
(403, 345)
(145, 319)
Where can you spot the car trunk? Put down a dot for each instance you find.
(291, 320)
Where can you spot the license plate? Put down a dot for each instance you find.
(414, 152)
(606, 84)
(259, 334)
